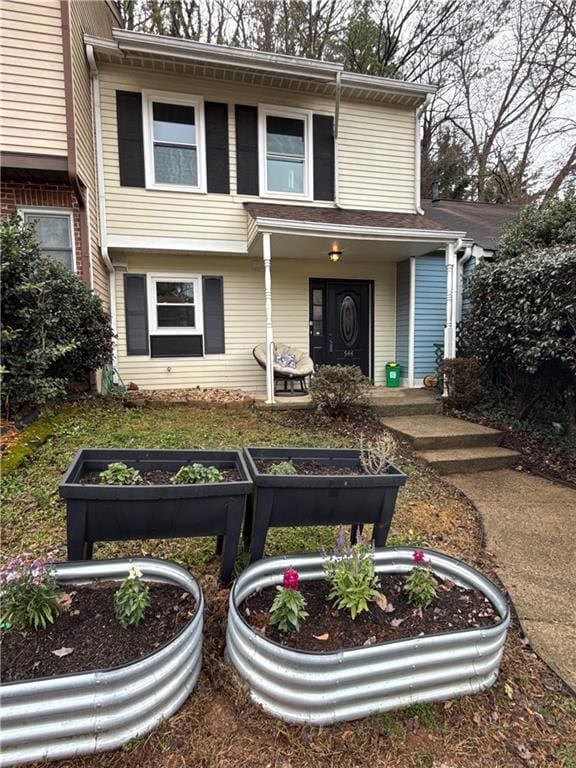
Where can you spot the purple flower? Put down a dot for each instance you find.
(291, 579)
(418, 556)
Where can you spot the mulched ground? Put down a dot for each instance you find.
(327, 629)
(207, 398)
(88, 626)
(157, 477)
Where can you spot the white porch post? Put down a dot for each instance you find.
(269, 328)
(450, 328)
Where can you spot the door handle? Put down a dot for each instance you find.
(330, 345)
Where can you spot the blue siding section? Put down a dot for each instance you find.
(430, 312)
(402, 315)
(467, 272)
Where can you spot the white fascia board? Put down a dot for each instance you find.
(286, 226)
(145, 243)
(387, 85)
(224, 55)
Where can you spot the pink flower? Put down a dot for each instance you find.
(418, 556)
(291, 579)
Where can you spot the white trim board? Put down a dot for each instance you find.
(154, 243)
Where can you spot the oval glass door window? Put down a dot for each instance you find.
(348, 320)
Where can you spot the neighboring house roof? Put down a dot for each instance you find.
(341, 217)
(482, 222)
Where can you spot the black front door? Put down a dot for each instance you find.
(340, 323)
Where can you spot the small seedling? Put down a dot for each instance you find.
(282, 468)
(131, 599)
(119, 473)
(420, 585)
(289, 606)
(197, 473)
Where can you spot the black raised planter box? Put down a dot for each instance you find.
(99, 512)
(297, 500)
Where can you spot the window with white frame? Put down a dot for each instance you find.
(54, 230)
(174, 150)
(175, 304)
(286, 152)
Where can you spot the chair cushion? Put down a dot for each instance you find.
(288, 361)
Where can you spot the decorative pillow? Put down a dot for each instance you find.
(285, 360)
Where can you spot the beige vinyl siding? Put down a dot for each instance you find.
(377, 157)
(245, 317)
(92, 18)
(32, 85)
(376, 152)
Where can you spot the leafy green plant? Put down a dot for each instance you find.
(289, 606)
(350, 571)
(282, 468)
(420, 584)
(131, 599)
(339, 389)
(29, 594)
(197, 473)
(53, 327)
(118, 473)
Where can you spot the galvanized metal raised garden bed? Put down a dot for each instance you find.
(326, 688)
(59, 717)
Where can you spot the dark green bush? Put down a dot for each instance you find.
(522, 328)
(552, 222)
(463, 382)
(54, 329)
(339, 389)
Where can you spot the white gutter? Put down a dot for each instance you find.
(354, 232)
(419, 112)
(97, 120)
(336, 130)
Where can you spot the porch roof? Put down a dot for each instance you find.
(300, 231)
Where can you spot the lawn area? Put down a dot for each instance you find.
(525, 720)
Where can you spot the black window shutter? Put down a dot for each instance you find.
(217, 150)
(213, 290)
(130, 139)
(247, 150)
(323, 127)
(136, 307)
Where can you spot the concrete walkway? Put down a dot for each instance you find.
(530, 527)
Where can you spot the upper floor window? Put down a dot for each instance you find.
(286, 142)
(174, 145)
(55, 234)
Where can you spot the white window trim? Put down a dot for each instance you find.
(54, 211)
(172, 277)
(148, 98)
(265, 110)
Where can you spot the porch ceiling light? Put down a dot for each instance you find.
(335, 252)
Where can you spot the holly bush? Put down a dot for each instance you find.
(53, 328)
(522, 328)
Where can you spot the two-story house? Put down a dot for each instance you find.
(253, 197)
(218, 198)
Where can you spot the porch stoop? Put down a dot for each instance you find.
(452, 445)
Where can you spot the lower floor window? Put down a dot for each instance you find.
(175, 305)
(54, 233)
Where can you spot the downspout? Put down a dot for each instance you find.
(71, 142)
(97, 121)
(467, 256)
(336, 129)
(451, 293)
(418, 153)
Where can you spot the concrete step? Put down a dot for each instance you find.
(404, 402)
(436, 433)
(464, 460)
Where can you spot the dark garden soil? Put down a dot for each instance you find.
(159, 477)
(87, 625)
(313, 468)
(327, 629)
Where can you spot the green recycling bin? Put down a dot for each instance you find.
(392, 375)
